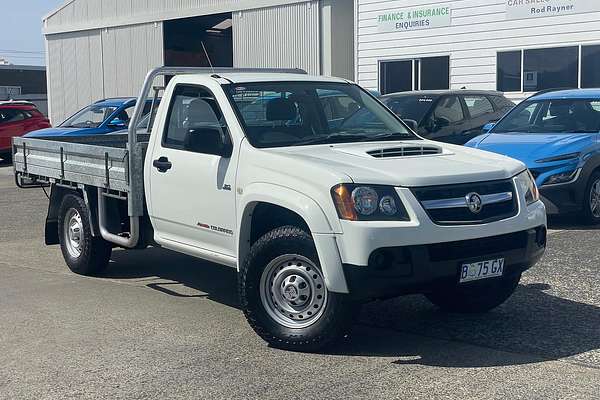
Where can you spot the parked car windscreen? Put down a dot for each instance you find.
(553, 116)
(410, 107)
(276, 114)
(89, 117)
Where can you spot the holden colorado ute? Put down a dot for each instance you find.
(255, 170)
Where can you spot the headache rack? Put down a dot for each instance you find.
(113, 164)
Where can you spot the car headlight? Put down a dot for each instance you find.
(562, 177)
(527, 185)
(368, 203)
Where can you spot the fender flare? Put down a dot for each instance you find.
(591, 164)
(321, 228)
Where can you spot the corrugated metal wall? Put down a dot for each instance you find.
(285, 37)
(479, 29)
(74, 72)
(91, 65)
(90, 14)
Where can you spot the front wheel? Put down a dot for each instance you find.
(83, 253)
(477, 298)
(591, 200)
(284, 297)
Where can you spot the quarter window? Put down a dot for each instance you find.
(478, 105)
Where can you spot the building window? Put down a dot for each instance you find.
(531, 70)
(550, 68)
(430, 73)
(435, 73)
(590, 66)
(508, 75)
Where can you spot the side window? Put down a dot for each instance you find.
(194, 121)
(502, 103)
(478, 105)
(449, 110)
(8, 116)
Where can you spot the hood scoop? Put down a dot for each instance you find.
(405, 151)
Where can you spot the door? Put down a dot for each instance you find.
(446, 120)
(192, 188)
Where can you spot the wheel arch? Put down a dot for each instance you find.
(264, 207)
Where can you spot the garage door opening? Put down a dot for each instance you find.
(183, 40)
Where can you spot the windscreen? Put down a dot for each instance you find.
(89, 117)
(410, 107)
(552, 116)
(276, 114)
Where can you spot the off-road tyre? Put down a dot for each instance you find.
(93, 252)
(336, 317)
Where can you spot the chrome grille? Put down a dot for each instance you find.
(450, 204)
(404, 151)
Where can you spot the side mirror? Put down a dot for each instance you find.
(117, 124)
(209, 140)
(412, 124)
(488, 127)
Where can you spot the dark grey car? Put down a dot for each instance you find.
(451, 116)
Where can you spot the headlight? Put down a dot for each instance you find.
(368, 203)
(527, 185)
(560, 178)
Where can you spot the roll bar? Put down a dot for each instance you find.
(164, 71)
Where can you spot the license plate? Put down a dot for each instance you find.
(481, 270)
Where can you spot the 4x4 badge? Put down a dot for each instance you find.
(474, 202)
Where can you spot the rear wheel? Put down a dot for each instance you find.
(591, 200)
(475, 298)
(83, 253)
(284, 297)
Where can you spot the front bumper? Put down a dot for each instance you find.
(563, 198)
(395, 271)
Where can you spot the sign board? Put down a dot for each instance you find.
(414, 18)
(519, 9)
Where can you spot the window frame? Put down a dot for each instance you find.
(417, 74)
(163, 142)
(522, 50)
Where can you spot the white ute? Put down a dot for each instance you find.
(318, 194)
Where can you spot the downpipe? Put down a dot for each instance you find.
(130, 241)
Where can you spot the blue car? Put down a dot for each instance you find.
(101, 117)
(556, 134)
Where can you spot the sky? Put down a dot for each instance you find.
(21, 40)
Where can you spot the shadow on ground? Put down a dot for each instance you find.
(532, 326)
(568, 223)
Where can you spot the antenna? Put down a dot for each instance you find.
(207, 57)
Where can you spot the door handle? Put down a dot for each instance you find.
(162, 164)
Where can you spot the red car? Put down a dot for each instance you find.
(16, 119)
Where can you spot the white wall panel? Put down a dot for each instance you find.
(94, 14)
(87, 66)
(285, 36)
(74, 72)
(479, 29)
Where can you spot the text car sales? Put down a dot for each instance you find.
(541, 6)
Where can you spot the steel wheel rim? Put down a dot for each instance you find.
(292, 291)
(595, 199)
(73, 233)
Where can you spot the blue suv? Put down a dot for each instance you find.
(556, 134)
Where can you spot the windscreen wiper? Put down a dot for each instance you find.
(332, 138)
(391, 135)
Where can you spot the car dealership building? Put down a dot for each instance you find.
(103, 48)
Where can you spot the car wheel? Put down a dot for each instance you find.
(284, 297)
(591, 201)
(83, 253)
(477, 297)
